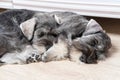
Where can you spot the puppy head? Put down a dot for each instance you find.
(96, 41)
(103, 40)
(58, 51)
(37, 30)
(74, 25)
(88, 42)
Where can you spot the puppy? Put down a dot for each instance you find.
(76, 26)
(21, 35)
(94, 43)
(62, 51)
(58, 51)
(70, 25)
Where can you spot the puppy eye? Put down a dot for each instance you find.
(41, 34)
(54, 35)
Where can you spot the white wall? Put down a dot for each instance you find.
(102, 8)
(5, 3)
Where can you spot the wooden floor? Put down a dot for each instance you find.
(66, 70)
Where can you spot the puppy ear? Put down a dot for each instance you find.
(93, 27)
(57, 19)
(27, 28)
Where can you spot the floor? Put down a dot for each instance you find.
(66, 70)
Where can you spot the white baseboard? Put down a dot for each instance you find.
(108, 8)
(6, 4)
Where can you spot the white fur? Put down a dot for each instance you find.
(58, 51)
(75, 55)
(41, 48)
(18, 57)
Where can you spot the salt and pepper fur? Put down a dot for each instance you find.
(29, 36)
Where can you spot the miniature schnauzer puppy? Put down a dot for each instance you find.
(84, 40)
(71, 25)
(24, 35)
(94, 43)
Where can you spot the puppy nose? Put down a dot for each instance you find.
(44, 57)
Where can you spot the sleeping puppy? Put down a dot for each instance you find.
(71, 25)
(71, 28)
(94, 43)
(24, 35)
(61, 50)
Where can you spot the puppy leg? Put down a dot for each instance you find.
(20, 57)
(11, 58)
(70, 39)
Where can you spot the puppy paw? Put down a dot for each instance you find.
(101, 57)
(91, 61)
(83, 58)
(33, 58)
(88, 60)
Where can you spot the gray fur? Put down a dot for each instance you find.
(11, 37)
(92, 41)
(15, 47)
(71, 24)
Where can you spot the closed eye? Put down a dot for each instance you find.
(54, 35)
(41, 34)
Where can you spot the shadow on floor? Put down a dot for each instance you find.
(109, 25)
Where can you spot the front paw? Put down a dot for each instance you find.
(83, 58)
(88, 60)
(33, 58)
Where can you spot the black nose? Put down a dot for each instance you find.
(83, 58)
(44, 58)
